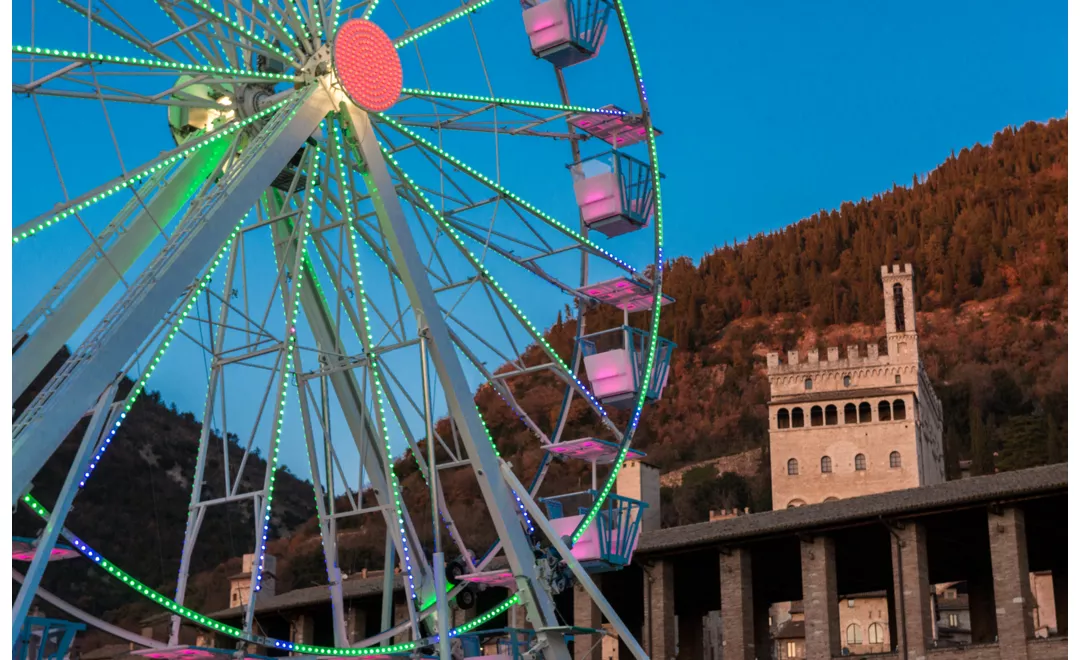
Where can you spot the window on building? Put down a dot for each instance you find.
(826, 465)
(899, 410)
(884, 411)
(830, 499)
(954, 621)
(898, 306)
(808, 384)
(783, 419)
(894, 459)
(851, 416)
(860, 462)
(897, 380)
(796, 418)
(950, 594)
(875, 634)
(864, 413)
(794, 504)
(847, 381)
(853, 634)
(792, 467)
(830, 415)
(792, 650)
(816, 418)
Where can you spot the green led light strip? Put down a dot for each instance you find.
(657, 283)
(479, 266)
(109, 189)
(277, 21)
(236, 633)
(445, 155)
(501, 101)
(294, 6)
(380, 395)
(205, 6)
(431, 28)
(147, 62)
(372, 4)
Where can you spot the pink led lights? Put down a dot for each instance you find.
(367, 65)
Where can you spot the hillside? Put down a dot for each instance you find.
(986, 232)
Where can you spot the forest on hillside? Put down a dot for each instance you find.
(986, 233)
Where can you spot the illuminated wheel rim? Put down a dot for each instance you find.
(282, 46)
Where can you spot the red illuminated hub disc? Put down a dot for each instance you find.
(367, 65)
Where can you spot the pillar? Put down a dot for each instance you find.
(355, 623)
(981, 606)
(819, 597)
(302, 629)
(660, 610)
(401, 613)
(587, 615)
(1012, 586)
(911, 584)
(737, 604)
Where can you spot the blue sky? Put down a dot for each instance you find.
(769, 113)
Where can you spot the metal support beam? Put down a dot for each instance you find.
(395, 228)
(208, 224)
(572, 563)
(47, 541)
(63, 319)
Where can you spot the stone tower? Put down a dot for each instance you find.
(864, 423)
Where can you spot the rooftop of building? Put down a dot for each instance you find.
(791, 630)
(1045, 480)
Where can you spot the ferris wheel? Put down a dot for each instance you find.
(322, 213)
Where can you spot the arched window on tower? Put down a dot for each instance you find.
(816, 418)
(808, 384)
(860, 462)
(850, 414)
(898, 410)
(854, 635)
(875, 634)
(864, 413)
(792, 467)
(894, 459)
(898, 306)
(826, 465)
(884, 411)
(830, 415)
(796, 418)
(783, 419)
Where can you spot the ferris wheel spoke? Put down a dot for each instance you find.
(591, 246)
(490, 101)
(492, 285)
(165, 160)
(202, 7)
(427, 28)
(133, 36)
(42, 55)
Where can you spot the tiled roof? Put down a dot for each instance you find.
(791, 630)
(1047, 479)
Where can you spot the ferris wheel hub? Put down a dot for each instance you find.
(367, 65)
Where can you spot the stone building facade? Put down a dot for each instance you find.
(859, 424)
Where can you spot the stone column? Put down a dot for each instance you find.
(737, 604)
(819, 597)
(355, 623)
(401, 613)
(660, 610)
(1012, 586)
(911, 584)
(587, 615)
(302, 629)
